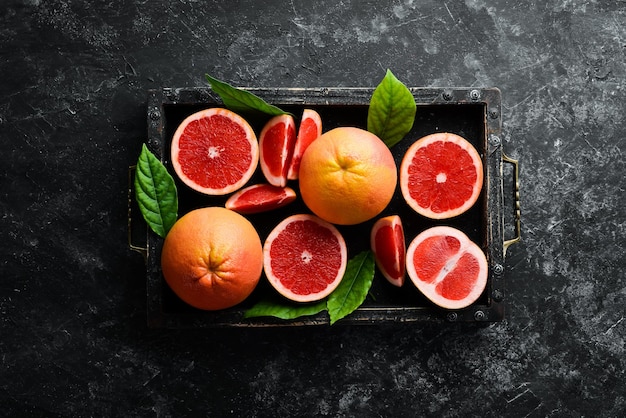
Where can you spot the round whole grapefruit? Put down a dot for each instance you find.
(347, 176)
(212, 258)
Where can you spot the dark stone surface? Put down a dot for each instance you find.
(74, 340)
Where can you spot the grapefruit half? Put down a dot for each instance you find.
(214, 151)
(260, 198)
(447, 267)
(276, 143)
(304, 258)
(387, 243)
(309, 130)
(441, 176)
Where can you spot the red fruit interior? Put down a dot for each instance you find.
(214, 151)
(277, 148)
(260, 198)
(460, 281)
(307, 133)
(442, 176)
(432, 255)
(390, 250)
(306, 257)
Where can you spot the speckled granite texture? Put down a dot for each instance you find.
(74, 340)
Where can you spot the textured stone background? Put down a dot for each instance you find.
(72, 296)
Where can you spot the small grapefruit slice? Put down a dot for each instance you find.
(276, 143)
(387, 243)
(260, 198)
(309, 130)
(304, 258)
(441, 176)
(447, 267)
(214, 151)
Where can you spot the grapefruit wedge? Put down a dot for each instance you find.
(447, 267)
(309, 130)
(276, 142)
(260, 198)
(214, 151)
(441, 176)
(387, 243)
(304, 258)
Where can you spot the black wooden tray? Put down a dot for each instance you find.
(474, 114)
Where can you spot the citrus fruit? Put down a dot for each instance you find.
(304, 258)
(276, 143)
(214, 151)
(447, 267)
(260, 198)
(387, 243)
(441, 175)
(309, 130)
(212, 258)
(347, 176)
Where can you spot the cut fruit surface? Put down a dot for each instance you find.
(214, 151)
(260, 198)
(276, 143)
(447, 267)
(441, 176)
(309, 130)
(387, 244)
(304, 258)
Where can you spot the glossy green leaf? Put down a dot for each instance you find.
(240, 100)
(392, 110)
(285, 310)
(155, 192)
(354, 286)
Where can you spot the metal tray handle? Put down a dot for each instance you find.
(518, 215)
(141, 250)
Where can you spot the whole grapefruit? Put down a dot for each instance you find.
(347, 176)
(212, 258)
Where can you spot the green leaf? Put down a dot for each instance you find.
(354, 286)
(392, 110)
(155, 192)
(240, 100)
(284, 310)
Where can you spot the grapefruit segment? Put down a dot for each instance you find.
(260, 198)
(214, 151)
(304, 258)
(441, 176)
(276, 143)
(387, 243)
(309, 130)
(447, 267)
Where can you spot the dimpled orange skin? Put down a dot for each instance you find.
(347, 176)
(212, 258)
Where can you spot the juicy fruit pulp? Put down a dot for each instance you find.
(310, 129)
(260, 198)
(441, 176)
(212, 258)
(447, 267)
(304, 258)
(347, 176)
(387, 244)
(277, 140)
(214, 151)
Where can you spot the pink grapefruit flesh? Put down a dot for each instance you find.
(441, 176)
(387, 244)
(214, 151)
(304, 258)
(447, 267)
(260, 198)
(276, 143)
(309, 130)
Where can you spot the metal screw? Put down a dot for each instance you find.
(474, 95)
(498, 295)
(447, 95)
(452, 316)
(479, 315)
(493, 113)
(498, 269)
(155, 114)
(495, 140)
